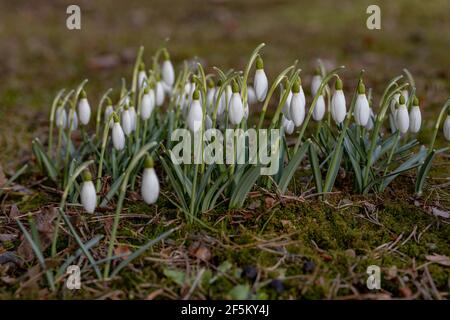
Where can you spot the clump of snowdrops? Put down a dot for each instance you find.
(117, 147)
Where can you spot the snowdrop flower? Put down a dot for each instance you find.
(447, 126)
(159, 93)
(393, 107)
(362, 109)
(315, 82)
(319, 108)
(84, 110)
(108, 111)
(288, 125)
(195, 116)
(127, 124)
(405, 93)
(168, 74)
(415, 117)
(222, 100)
(133, 116)
(402, 116)
(142, 76)
(338, 109)
(147, 104)
(210, 96)
(297, 106)
(260, 81)
(236, 111)
(118, 137)
(150, 182)
(88, 195)
(251, 95)
(61, 117)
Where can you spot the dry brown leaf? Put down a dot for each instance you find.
(7, 236)
(122, 251)
(154, 294)
(203, 253)
(269, 202)
(439, 259)
(25, 251)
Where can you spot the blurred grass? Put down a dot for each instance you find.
(40, 55)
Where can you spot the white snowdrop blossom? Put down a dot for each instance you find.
(297, 106)
(319, 108)
(362, 109)
(370, 124)
(118, 136)
(288, 125)
(236, 111)
(446, 127)
(88, 195)
(167, 71)
(147, 104)
(159, 94)
(61, 117)
(402, 116)
(251, 95)
(84, 110)
(260, 80)
(150, 182)
(195, 115)
(415, 117)
(127, 125)
(142, 76)
(338, 108)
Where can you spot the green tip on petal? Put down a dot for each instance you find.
(235, 87)
(108, 101)
(210, 83)
(148, 162)
(141, 66)
(338, 85)
(317, 72)
(401, 100)
(415, 101)
(259, 63)
(196, 95)
(361, 88)
(219, 82)
(296, 87)
(166, 55)
(299, 79)
(83, 94)
(116, 117)
(146, 90)
(87, 176)
(158, 77)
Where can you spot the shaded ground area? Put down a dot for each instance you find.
(288, 247)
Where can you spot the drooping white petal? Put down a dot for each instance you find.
(118, 137)
(84, 111)
(88, 196)
(150, 186)
(297, 108)
(415, 119)
(288, 125)
(133, 117)
(362, 110)
(446, 128)
(319, 109)
(147, 106)
(246, 111)
(74, 121)
(251, 95)
(338, 108)
(287, 106)
(126, 122)
(236, 112)
(159, 94)
(402, 119)
(261, 84)
(210, 101)
(168, 74)
(108, 111)
(195, 116)
(315, 84)
(61, 117)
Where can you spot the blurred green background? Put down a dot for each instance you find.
(39, 55)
